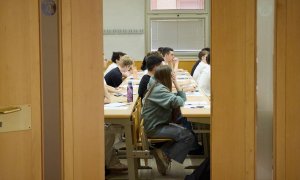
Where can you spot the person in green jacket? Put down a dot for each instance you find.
(157, 113)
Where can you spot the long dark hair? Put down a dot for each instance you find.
(208, 59)
(163, 75)
(143, 66)
(155, 59)
(202, 53)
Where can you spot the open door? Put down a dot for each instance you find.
(20, 131)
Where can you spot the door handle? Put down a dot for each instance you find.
(10, 109)
(15, 118)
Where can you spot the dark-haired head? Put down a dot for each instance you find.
(116, 56)
(160, 50)
(202, 53)
(144, 64)
(153, 61)
(163, 75)
(166, 50)
(206, 49)
(208, 59)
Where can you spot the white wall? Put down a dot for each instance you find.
(124, 14)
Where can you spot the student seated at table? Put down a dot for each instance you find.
(201, 56)
(152, 61)
(115, 58)
(107, 99)
(170, 59)
(109, 88)
(111, 160)
(157, 111)
(202, 75)
(114, 77)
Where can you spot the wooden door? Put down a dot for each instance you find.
(233, 43)
(20, 151)
(287, 88)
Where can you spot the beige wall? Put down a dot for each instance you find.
(287, 88)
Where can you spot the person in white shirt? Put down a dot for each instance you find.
(110, 89)
(115, 58)
(203, 64)
(202, 74)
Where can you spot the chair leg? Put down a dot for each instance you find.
(146, 162)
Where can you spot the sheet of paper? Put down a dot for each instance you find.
(125, 93)
(116, 104)
(182, 77)
(183, 80)
(193, 94)
(196, 104)
(116, 108)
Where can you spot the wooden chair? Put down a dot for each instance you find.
(143, 143)
(135, 127)
(140, 152)
(147, 142)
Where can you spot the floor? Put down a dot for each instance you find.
(176, 172)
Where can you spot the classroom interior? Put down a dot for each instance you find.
(51, 84)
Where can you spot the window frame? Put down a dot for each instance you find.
(178, 14)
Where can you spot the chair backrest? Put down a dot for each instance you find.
(139, 108)
(135, 128)
(143, 136)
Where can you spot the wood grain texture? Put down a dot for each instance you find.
(287, 98)
(233, 41)
(20, 152)
(82, 88)
(67, 93)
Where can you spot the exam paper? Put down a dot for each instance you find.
(196, 104)
(117, 106)
(193, 94)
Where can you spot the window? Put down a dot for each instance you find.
(185, 34)
(176, 4)
(180, 24)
